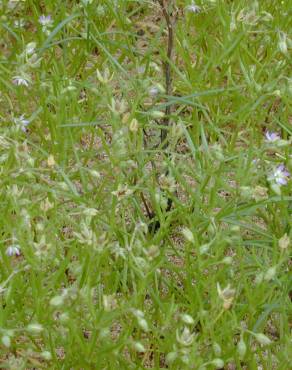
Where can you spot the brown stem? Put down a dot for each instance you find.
(149, 213)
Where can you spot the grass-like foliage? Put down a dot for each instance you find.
(145, 158)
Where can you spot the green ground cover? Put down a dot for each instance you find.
(122, 250)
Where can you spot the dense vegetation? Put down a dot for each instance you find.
(145, 157)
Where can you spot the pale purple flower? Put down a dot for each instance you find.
(45, 20)
(20, 80)
(21, 122)
(272, 136)
(13, 250)
(153, 91)
(193, 8)
(280, 175)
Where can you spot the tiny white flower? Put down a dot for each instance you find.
(13, 250)
(30, 48)
(19, 23)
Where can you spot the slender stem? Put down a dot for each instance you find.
(167, 68)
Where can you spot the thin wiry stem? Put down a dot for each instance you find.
(167, 66)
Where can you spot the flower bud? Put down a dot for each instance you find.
(134, 125)
(34, 328)
(218, 363)
(283, 43)
(171, 357)
(157, 114)
(64, 317)
(276, 189)
(262, 339)
(95, 174)
(46, 355)
(187, 233)
(143, 324)
(217, 349)
(270, 274)
(227, 260)
(284, 242)
(51, 161)
(204, 248)
(138, 346)
(187, 319)
(56, 301)
(152, 252)
(260, 193)
(6, 341)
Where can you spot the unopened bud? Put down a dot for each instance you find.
(157, 114)
(51, 161)
(284, 242)
(262, 339)
(56, 301)
(171, 357)
(270, 274)
(227, 260)
(217, 349)
(218, 363)
(143, 324)
(276, 189)
(187, 319)
(187, 233)
(283, 43)
(34, 328)
(134, 125)
(46, 355)
(6, 341)
(138, 346)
